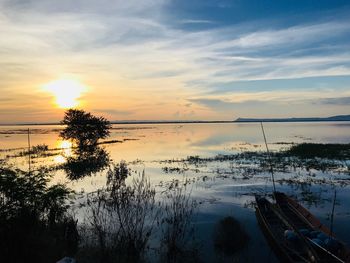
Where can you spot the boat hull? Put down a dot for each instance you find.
(273, 228)
(309, 220)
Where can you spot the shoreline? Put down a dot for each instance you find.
(181, 122)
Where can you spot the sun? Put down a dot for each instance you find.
(66, 92)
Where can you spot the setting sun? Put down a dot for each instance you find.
(66, 92)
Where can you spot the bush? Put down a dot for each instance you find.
(34, 223)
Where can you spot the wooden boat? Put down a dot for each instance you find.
(302, 219)
(287, 214)
(274, 226)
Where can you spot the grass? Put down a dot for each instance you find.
(320, 150)
(306, 156)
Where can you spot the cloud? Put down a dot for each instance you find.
(289, 36)
(219, 54)
(196, 21)
(216, 104)
(7, 100)
(336, 101)
(115, 7)
(114, 111)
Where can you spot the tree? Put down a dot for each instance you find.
(84, 127)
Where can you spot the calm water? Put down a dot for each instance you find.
(223, 188)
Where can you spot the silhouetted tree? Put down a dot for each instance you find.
(83, 127)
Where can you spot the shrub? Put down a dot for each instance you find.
(34, 223)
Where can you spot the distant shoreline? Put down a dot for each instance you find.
(304, 119)
(255, 121)
(122, 122)
(187, 122)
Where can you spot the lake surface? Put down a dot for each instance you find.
(222, 188)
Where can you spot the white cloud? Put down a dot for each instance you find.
(195, 21)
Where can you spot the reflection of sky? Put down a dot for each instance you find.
(238, 134)
(179, 141)
(221, 195)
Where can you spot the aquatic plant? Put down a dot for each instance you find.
(329, 151)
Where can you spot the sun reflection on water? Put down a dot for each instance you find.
(66, 151)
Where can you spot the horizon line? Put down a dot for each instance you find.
(237, 120)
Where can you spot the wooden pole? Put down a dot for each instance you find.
(269, 157)
(29, 151)
(332, 214)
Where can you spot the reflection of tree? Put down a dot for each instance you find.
(86, 161)
(229, 236)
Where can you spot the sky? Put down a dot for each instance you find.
(174, 59)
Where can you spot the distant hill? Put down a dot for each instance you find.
(313, 119)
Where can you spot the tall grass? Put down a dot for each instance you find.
(122, 217)
(177, 243)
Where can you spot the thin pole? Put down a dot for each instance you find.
(332, 215)
(29, 150)
(269, 158)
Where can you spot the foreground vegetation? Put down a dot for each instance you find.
(125, 222)
(121, 220)
(34, 218)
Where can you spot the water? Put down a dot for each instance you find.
(222, 188)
